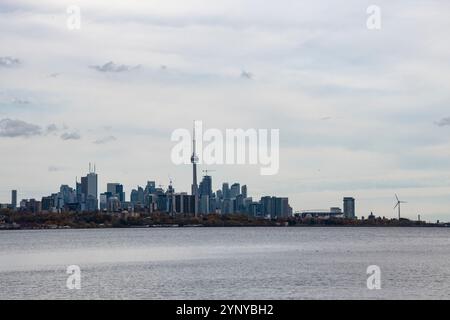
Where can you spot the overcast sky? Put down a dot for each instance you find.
(362, 113)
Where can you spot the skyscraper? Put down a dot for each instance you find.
(13, 199)
(225, 190)
(205, 187)
(89, 190)
(349, 208)
(116, 190)
(244, 191)
(235, 190)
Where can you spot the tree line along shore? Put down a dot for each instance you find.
(73, 220)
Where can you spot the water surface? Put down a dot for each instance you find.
(226, 263)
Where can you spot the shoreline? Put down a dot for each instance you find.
(13, 220)
(228, 226)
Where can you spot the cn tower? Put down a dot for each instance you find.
(194, 160)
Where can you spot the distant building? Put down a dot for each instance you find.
(183, 203)
(225, 190)
(31, 206)
(116, 190)
(89, 192)
(205, 187)
(244, 191)
(13, 199)
(104, 197)
(47, 203)
(235, 190)
(334, 212)
(114, 204)
(137, 197)
(349, 208)
(275, 207)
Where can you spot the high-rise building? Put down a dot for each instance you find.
(349, 208)
(116, 190)
(150, 188)
(137, 197)
(205, 187)
(13, 199)
(275, 207)
(244, 191)
(225, 190)
(204, 207)
(235, 190)
(89, 191)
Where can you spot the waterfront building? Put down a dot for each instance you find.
(13, 199)
(349, 208)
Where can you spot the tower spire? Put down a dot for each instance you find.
(194, 160)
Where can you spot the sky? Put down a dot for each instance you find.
(361, 112)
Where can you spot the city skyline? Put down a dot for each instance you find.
(203, 199)
(360, 113)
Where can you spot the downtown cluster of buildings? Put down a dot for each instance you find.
(230, 199)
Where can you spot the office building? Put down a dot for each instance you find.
(235, 190)
(225, 191)
(349, 208)
(244, 190)
(14, 199)
(116, 190)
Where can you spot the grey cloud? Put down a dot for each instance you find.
(9, 62)
(18, 128)
(55, 168)
(20, 101)
(246, 75)
(113, 67)
(51, 128)
(70, 136)
(105, 140)
(443, 122)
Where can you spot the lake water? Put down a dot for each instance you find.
(226, 263)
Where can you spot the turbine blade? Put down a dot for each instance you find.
(396, 205)
(396, 197)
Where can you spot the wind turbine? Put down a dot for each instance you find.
(398, 205)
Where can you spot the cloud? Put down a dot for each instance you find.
(112, 67)
(443, 122)
(9, 62)
(51, 128)
(18, 128)
(55, 168)
(246, 75)
(105, 140)
(20, 101)
(70, 136)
